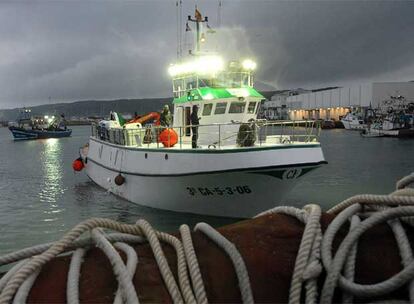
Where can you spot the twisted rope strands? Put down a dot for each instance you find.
(24, 289)
(132, 261)
(31, 251)
(183, 278)
(124, 278)
(161, 261)
(302, 258)
(72, 285)
(194, 269)
(333, 273)
(373, 200)
(236, 258)
(58, 247)
(349, 271)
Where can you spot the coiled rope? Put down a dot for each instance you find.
(314, 254)
(16, 283)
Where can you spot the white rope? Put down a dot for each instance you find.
(195, 274)
(303, 257)
(35, 250)
(405, 181)
(132, 261)
(349, 271)
(72, 285)
(307, 264)
(24, 289)
(58, 247)
(165, 270)
(236, 258)
(405, 250)
(10, 273)
(333, 273)
(16, 283)
(124, 278)
(372, 199)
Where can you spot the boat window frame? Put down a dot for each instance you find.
(217, 107)
(254, 107)
(235, 105)
(204, 109)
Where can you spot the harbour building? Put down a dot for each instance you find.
(333, 103)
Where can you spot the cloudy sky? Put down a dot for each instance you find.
(77, 50)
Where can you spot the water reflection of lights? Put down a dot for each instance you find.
(52, 186)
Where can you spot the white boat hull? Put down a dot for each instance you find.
(221, 183)
(352, 125)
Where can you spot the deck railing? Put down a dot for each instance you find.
(255, 133)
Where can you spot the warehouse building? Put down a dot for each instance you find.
(335, 103)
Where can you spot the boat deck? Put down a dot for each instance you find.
(187, 145)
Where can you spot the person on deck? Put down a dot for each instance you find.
(166, 117)
(195, 121)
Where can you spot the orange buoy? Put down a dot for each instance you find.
(77, 164)
(168, 138)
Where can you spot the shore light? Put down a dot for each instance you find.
(249, 64)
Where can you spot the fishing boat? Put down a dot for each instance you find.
(29, 127)
(398, 120)
(353, 121)
(236, 167)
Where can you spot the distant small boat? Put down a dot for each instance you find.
(28, 127)
(21, 133)
(353, 121)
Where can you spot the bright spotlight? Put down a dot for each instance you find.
(249, 64)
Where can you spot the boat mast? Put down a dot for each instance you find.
(198, 19)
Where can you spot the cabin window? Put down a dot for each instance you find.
(245, 80)
(220, 108)
(191, 83)
(258, 107)
(237, 107)
(204, 82)
(250, 109)
(207, 109)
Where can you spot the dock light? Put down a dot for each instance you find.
(249, 65)
(46, 117)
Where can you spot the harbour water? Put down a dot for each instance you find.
(41, 197)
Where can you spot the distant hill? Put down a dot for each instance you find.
(88, 108)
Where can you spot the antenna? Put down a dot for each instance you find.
(178, 29)
(198, 20)
(181, 28)
(219, 14)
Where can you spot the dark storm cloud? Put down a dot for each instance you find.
(303, 43)
(71, 50)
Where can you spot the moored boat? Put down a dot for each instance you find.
(28, 127)
(353, 121)
(398, 120)
(230, 164)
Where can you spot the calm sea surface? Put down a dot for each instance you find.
(41, 197)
